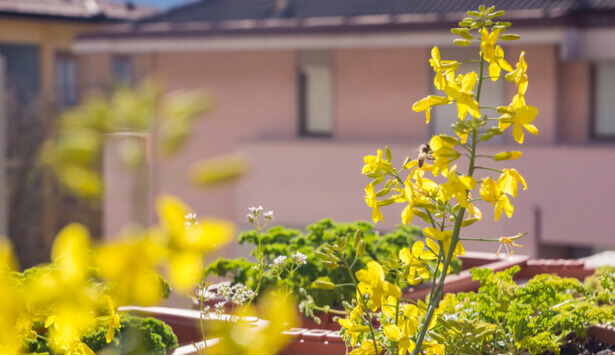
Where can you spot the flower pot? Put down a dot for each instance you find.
(463, 282)
(186, 325)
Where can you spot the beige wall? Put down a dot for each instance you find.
(307, 179)
(374, 91)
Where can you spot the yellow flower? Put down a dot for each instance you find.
(401, 336)
(441, 68)
(186, 246)
(366, 348)
(353, 325)
(372, 202)
(462, 93)
(457, 186)
(497, 63)
(443, 153)
(417, 271)
(487, 44)
(372, 282)
(128, 264)
(112, 320)
(519, 75)
(520, 116)
(445, 238)
(376, 164)
(509, 181)
(491, 192)
(71, 252)
(427, 103)
(241, 338)
(506, 241)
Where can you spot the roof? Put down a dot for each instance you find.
(75, 9)
(221, 17)
(225, 10)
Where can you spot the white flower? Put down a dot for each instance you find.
(280, 260)
(255, 211)
(299, 258)
(251, 218)
(268, 215)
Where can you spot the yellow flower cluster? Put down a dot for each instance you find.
(84, 284)
(443, 205)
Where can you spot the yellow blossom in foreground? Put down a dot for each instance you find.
(241, 338)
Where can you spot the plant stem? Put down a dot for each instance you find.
(455, 237)
(369, 315)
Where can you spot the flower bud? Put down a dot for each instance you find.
(510, 37)
(324, 284)
(503, 156)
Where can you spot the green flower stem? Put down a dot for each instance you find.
(397, 309)
(516, 237)
(329, 310)
(455, 238)
(261, 265)
(488, 169)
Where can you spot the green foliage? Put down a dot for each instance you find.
(503, 317)
(600, 283)
(136, 336)
(279, 241)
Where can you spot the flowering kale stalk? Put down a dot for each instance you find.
(433, 188)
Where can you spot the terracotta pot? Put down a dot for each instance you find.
(602, 333)
(326, 319)
(186, 325)
(463, 282)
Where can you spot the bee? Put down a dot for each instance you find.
(425, 152)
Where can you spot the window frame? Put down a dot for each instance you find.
(66, 55)
(594, 135)
(115, 80)
(301, 85)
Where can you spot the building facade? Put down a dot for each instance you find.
(307, 94)
(41, 76)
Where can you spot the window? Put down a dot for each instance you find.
(493, 93)
(66, 79)
(604, 101)
(315, 90)
(122, 71)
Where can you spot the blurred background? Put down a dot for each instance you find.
(305, 88)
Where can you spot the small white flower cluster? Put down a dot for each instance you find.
(190, 220)
(279, 261)
(238, 293)
(298, 258)
(254, 212)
